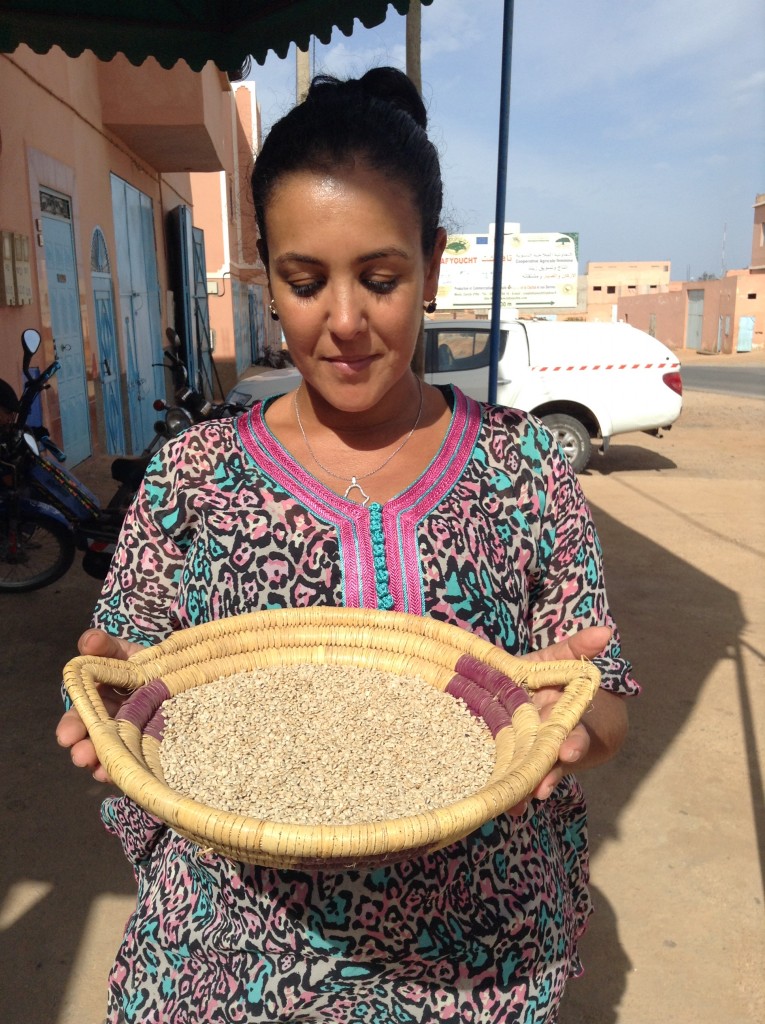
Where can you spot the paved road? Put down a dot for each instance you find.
(746, 381)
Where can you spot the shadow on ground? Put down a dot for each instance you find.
(669, 614)
(622, 458)
(56, 857)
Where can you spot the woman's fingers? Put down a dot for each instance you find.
(102, 645)
(71, 732)
(587, 643)
(70, 729)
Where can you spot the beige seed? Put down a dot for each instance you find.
(314, 744)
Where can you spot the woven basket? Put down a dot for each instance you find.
(493, 683)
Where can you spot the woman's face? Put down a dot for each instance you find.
(348, 279)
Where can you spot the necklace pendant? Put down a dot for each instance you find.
(354, 485)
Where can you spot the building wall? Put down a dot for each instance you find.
(758, 235)
(607, 283)
(53, 137)
(223, 208)
(665, 315)
(69, 124)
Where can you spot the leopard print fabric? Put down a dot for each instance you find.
(495, 537)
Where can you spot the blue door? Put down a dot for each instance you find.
(695, 318)
(108, 356)
(745, 333)
(139, 308)
(202, 313)
(66, 324)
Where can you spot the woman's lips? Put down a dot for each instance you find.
(350, 364)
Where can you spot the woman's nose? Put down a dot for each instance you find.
(347, 313)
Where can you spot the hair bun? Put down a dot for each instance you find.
(396, 88)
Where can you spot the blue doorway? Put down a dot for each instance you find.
(139, 308)
(66, 323)
(108, 353)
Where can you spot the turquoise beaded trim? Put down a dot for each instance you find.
(382, 576)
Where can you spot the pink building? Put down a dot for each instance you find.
(726, 315)
(119, 187)
(607, 283)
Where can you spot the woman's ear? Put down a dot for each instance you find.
(433, 267)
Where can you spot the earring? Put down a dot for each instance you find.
(430, 307)
(272, 310)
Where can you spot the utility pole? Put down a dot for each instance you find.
(414, 44)
(414, 74)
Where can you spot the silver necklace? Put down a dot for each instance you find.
(354, 485)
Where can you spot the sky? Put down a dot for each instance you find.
(639, 126)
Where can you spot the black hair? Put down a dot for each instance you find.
(379, 118)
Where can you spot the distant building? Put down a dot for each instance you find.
(726, 315)
(242, 329)
(757, 265)
(607, 283)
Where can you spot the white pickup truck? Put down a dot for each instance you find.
(585, 381)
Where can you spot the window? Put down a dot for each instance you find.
(458, 349)
(752, 295)
(597, 288)
(611, 289)
(631, 287)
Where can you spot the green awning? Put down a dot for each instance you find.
(192, 30)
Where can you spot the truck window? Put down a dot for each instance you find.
(458, 348)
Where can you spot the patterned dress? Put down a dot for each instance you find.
(495, 537)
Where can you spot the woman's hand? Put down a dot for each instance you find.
(601, 731)
(70, 731)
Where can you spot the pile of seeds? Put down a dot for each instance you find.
(313, 744)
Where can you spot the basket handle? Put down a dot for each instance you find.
(84, 674)
(578, 692)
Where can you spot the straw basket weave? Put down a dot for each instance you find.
(493, 683)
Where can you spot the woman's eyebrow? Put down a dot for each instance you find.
(295, 257)
(382, 253)
(368, 257)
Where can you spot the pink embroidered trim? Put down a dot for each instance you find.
(400, 516)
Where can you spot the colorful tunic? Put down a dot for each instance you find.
(495, 537)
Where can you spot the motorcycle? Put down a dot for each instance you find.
(46, 513)
(189, 405)
(40, 503)
(95, 536)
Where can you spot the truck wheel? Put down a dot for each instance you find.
(573, 438)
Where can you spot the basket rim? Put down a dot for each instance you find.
(267, 838)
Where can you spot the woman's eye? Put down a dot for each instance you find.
(382, 286)
(305, 291)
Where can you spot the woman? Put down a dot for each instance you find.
(364, 488)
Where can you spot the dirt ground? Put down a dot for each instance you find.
(677, 820)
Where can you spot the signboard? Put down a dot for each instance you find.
(538, 270)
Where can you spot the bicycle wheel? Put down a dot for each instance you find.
(35, 550)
